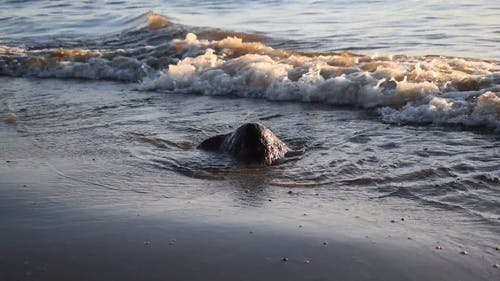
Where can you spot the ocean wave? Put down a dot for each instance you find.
(417, 90)
(403, 89)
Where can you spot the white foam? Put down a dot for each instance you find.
(481, 111)
(408, 90)
(405, 89)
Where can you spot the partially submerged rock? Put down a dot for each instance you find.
(250, 143)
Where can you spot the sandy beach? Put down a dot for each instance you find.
(47, 235)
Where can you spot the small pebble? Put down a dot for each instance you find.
(325, 243)
(393, 221)
(247, 191)
(464, 252)
(93, 159)
(305, 214)
(270, 200)
(251, 232)
(496, 265)
(439, 247)
(402, 219)
(300, 225)
(285, 259)
(290, 192)
(497, 248)
(409, 238)
(308, 261)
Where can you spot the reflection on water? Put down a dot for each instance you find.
(454, 28)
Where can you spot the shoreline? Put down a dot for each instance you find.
(80, 200)
(58, 241)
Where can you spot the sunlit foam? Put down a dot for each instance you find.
(156, 21)
(405, 89)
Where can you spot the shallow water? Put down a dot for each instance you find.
(144, 142)
(392, 133)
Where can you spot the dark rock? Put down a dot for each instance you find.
(213, 143)
(250, 143)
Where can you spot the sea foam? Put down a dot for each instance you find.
(405, 89)
(402, 89)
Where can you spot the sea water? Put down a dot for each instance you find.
(395, 104)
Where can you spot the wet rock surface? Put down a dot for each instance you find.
(250, 143)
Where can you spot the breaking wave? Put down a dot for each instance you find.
(164, 56)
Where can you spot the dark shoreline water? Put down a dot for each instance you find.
(142, 135)
(349, 149)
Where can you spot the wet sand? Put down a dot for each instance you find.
(46, 237)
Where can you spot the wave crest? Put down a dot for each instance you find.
(408, 89)
(427, 89)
